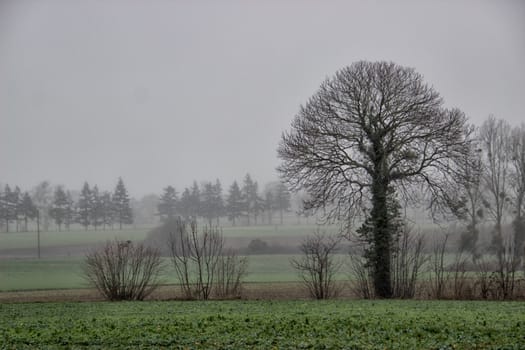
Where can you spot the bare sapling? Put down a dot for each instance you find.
(407, 260)
(202, 265)
(438, 274)
(361, 275)
(318, 266)
(231, 271)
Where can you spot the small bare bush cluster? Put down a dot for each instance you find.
(122, 270)
(361, 275)
(406, 262)
(202, 263)
(318, 265)
(231, 270)
(464, 275)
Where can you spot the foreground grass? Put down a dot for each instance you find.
(265, 325)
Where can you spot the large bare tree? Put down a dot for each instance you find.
(468, 190)
(495, 138)
(371, 132)
(501, 171)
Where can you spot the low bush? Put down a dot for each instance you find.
(122, 270)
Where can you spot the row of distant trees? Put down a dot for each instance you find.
(92, 208)
(242, 202)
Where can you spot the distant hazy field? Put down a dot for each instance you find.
(66, 273)
(18, 240)
(62, 254)
(265, 325)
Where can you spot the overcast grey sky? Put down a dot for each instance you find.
(165, 92)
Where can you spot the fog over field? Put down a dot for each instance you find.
(167, 92)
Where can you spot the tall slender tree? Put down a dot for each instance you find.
(84, 206)
(28, 209)
(168, 202)
(195, 201)
(59, 207)
(252, 201)
(70, 210)
(121, 204)
(7, 206)
(518, 188)
(235, 205)
(108, 212)
(185, 206)
(282, 200)
(218, 202)
(42, 195)
(269, 204)
(208, 209)
(97, 211)
(17, 204)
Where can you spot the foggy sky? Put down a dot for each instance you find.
(167, 92)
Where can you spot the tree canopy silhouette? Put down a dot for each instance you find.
(373, 132)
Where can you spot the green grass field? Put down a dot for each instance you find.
(58, 270)
(18, 240)
(264, 325)
(66, 273)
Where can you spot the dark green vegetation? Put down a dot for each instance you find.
(265, 325)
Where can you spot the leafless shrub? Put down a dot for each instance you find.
(505, 275)
(122, 270)
(483, 280)
(231, 271)
(407, 260)
(438, 274)
(318, 266)
(257, 246)
(361, 275)
(195, 257)
(461, 287)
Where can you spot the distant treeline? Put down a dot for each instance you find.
(93, 208)
(241, 202)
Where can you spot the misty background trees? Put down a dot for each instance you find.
(92, 208)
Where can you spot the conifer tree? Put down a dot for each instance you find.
(235, 205)
(121, 204)
(29, 210)
(84, 206)
(97, 211)
(167, 207)
(59, 207)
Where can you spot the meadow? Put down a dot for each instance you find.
(66, 273)
(264, 325)
(28, 240)
(60, 266)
